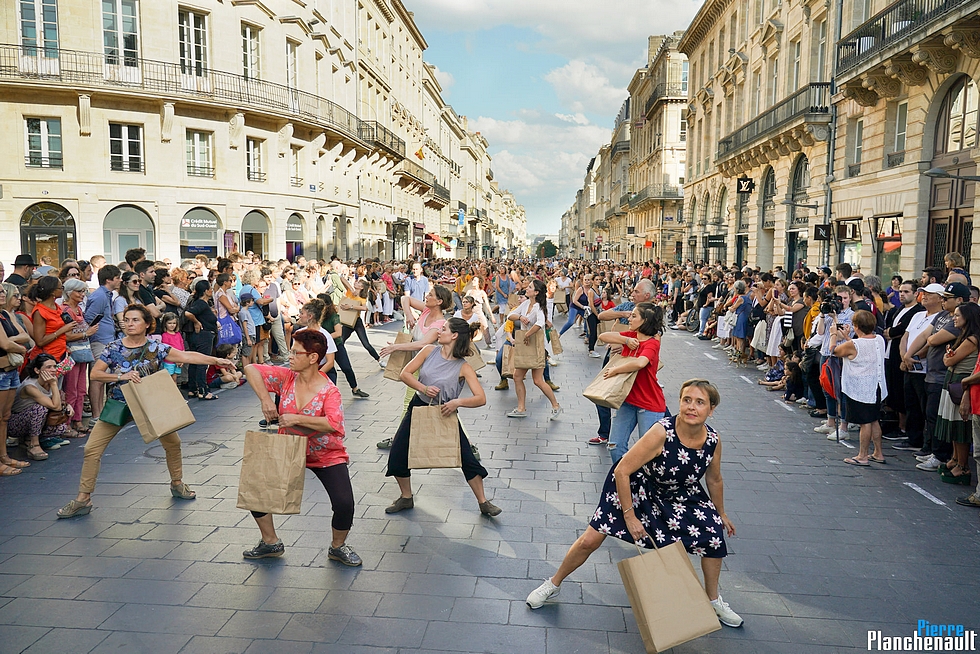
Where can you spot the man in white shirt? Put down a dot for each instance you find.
(915, 369)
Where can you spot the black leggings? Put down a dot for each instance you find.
(336, 480)
(202, 342)
(592, 329)
(342, 360)
(358, 328)
(398, 455)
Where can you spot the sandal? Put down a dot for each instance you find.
(8, 470)
(209, 396)
(182, 492)
(14, 463)
(75, 508)
(38, 455)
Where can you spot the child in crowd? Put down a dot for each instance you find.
(221, 377)
(793, 379)
(174, 339)
(247, 301)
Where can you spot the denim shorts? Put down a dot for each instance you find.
(9, 380)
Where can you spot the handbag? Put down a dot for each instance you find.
(555, 339)
(115, 413)
(157, 406)
(731, 318)
(955, 390)
(433, 439)
(229, 332)
(399, 359)
(668, 602)
(81, 351)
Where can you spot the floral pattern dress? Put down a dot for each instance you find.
(121, 360)
(323, 449)
(668, 499)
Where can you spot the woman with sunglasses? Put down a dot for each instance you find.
(69, 270)
(13, 340)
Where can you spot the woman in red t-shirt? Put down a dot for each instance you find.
(645, 404)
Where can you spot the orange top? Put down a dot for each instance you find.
(52, 323)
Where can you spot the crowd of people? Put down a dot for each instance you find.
(896, 363)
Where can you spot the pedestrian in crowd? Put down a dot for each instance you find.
(23, 269)
(442, 374)
(653, 497)
(128, 360)
(50, 328)
(79, 349)
(99, 313)
(201, 339)
(897, 322)
(529, 318)
(309, 405)
(39, 415)
(13, 341)
(960, 359)
(330, 322)
(862, 382)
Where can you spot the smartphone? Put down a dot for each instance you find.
(97, 319)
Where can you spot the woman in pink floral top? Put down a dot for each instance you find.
(309, 405)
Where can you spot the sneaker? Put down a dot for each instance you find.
(382, 366)
(502, 386)
(725, 614)
(489, 509)
(894, 436)
(553, 385)
(763, 367)
(802, 400)
(594, 355)
(517, 414)
(12, 441)
(52, 443)
(598, 440)
(853, 427)
(264, 550)
(818, 414)
(385, 444)
(345, 554)
(832, 435)
(970, 500)
(555, 413)
(930, 465)
(922, 457)
(401, 504)
(359, 393)
(717, 346)
(542, 594)
(229, 385)
(905, 446)
(824, 429)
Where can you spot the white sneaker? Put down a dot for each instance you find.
(764, 367)
(853, 427)
(717, 346)
(555, 413)
(724, 612)
(594, 355)
(517, 414)
(824, 429)
(833, 435)
(921, 458)
(802, 400)
(543, 593)
(931, 464)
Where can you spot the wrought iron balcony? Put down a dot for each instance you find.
(811, 99)
(442, 192)
(118, 164)
(296, 181)
(82, 71)
(410, 169)
(439, 197)
(624, 199)
(381, 137)
(655, 192)
(35, 161)
(664, 90)
(895, 23)
(256, 176)
(620, 146)
(200, 171)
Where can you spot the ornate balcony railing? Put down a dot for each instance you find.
(296, 181)
(256, 176)
(624, 199)
(90, 70)
(620, 146)
(889, 26)
(380, 136)
(126, 166)
(811, 99)
(441, 192)
(664, 90)
(417, 172)
(655, 192)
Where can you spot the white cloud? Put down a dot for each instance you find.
(577, 119)
(582, 87)
(444, 77)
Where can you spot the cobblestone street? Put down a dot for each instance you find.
(824, 552)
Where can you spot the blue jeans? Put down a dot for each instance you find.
(705, 314)
(573, 313)
(628, 417)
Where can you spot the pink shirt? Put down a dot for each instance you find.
(323, 449)
(173, 339)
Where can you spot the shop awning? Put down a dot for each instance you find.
(438, 240)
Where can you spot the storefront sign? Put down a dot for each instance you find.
(692, 241)
(744, 185)
(716, 240)
(462, 217)
(821, 232)
(196, 222)
(294, 228)
(200, 249)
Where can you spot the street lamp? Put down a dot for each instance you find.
(939, 173)
(326, 206)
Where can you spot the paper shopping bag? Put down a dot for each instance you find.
(513, 300)
(555, 339)
(348, 314)
(668, 602)
(507, 363)
(559, 297)
(273, 470)
(530, 356)
(398, 360)
(611, 392)
(433, 439)
(157, 405)
(606, 326)
(475, 359)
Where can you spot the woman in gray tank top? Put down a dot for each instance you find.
(443, 373)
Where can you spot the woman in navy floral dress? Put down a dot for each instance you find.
(662, 476)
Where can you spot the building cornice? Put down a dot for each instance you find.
(409, 19)
(702, 24)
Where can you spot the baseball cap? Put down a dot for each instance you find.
(857, 285)
(247, 295)
(938, 289)
(956, 289)
(826, 270)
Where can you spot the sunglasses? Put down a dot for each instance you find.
(73, 274)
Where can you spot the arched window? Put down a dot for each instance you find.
(705, 206)
(769, 200)
(694, 207)
(48, 230)
(722, 210)
(956, 127)
(800, 189)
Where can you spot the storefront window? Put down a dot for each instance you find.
(199, 229)
(889, 246)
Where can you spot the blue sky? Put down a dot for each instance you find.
(543, 81)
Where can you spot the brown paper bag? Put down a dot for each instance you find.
(507, 364)
(555, 340)
(348, 314)
(606, 326)
(513, 300)
(530, 356)
(475, 359)
(668, 602)
(398, 360)
(434, 439)
(559, 297)
(610, 392)
(157, 405)
(273, 470)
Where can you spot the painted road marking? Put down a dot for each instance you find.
(926, 494)
(747, 380)
(784, 405)
(711, 356)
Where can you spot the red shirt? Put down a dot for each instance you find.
(646, 392)
(322, 450)
(975, 393)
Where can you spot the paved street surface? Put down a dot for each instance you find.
(824, 553)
